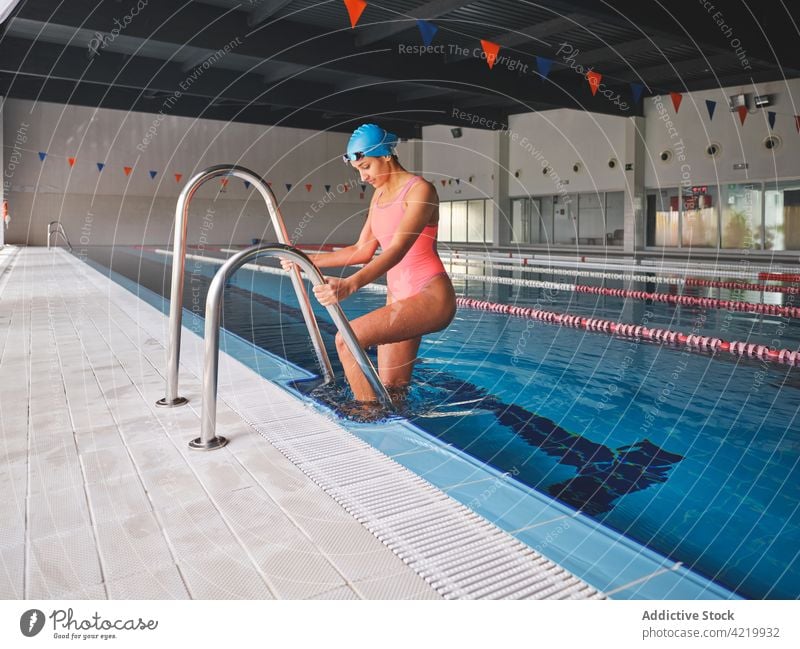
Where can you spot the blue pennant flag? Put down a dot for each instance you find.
(771, 118)
(327, 188)
(42, 156)
(636, 91)
(246, 184)
(363, 187)
(288, 187)
(153, 174)
(458, 181)
(711, 105)
(427, 30)
(100, 166)
(544, 66)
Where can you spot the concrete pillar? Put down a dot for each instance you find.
(501, 204)
(635, 198)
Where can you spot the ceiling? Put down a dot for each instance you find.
(299, 62)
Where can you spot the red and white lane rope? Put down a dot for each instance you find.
(692, 341)
(780, 277)
(668, 298)
(741, 286)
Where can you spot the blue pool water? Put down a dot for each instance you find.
(693, 456)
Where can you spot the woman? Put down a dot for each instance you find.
(403, 218)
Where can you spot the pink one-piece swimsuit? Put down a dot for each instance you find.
(421, 263)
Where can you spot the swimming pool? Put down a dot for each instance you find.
(692, 456)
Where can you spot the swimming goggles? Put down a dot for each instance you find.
(347, 158)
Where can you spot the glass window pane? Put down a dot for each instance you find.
(667, 212)
(488, 218)
(444, 221)
(782, 215)
(546, 220)
(565, 221)
(475, 222)
(591, 228)
(741, 217)
(615, 218)
(459, 221)
(519, 220)
(699, 224)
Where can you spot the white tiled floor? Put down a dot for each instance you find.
(101, 498)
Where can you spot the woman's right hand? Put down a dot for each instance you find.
(288, 265)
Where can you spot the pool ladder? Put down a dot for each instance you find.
(208, 439)
(59, 229)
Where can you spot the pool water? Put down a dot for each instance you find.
(691, 455)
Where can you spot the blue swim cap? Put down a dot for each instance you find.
(370, 140)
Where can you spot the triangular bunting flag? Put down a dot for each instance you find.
(363, 187)
(127, 170)
(71, 161)
(246, 184)
(178, 177)
(42, 155)
(677, 98)
(490, 50)
(458, 181)
(153, 174)
(100, 166)
(443, 181)
(594, 80)
(269, 184)
(308, 187)
(354, 9)
(288, 187)
(636, 91)
(427, 30)
(771, 119)
(327, 188)
(346, 187)
(224, 181)
(711, 105)
(544, 65)
(742, 110)
(797, 122)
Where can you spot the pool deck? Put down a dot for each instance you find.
(103, 499)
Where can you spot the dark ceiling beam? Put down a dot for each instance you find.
(370, 34)
(618, 51)
(265, 9)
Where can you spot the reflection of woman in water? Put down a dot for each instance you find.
(403, 218)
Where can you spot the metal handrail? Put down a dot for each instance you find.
(59, 230)
(208, 439)
(179, 261)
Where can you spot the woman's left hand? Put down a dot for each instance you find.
(334, 290)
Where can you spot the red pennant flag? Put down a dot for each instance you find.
(354, 9)
(178, 177)
(594, 80)
(346, 187)
(127, 170)
(308, 187)
(224, 182)
(71, 161)
(742, 110)
(443, 181)
(490, 50)
(269, 184)
(797, 122)
(677, 98)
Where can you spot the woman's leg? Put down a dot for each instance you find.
(400, 323)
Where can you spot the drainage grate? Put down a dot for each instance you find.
(460, 554)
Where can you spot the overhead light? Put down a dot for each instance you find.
(456, 132)
(6, 7)
(760, 101)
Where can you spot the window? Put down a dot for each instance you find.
(667, 215)
(615, 218)
(741, 217)
(782, 216)
(699, 217)
(591, 220)
(465, 221)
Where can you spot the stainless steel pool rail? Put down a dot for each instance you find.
(171, 399)
(58, 230)
(208, 439)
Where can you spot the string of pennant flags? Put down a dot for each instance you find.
(491, 50)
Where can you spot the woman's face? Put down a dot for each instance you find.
(374, 170)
